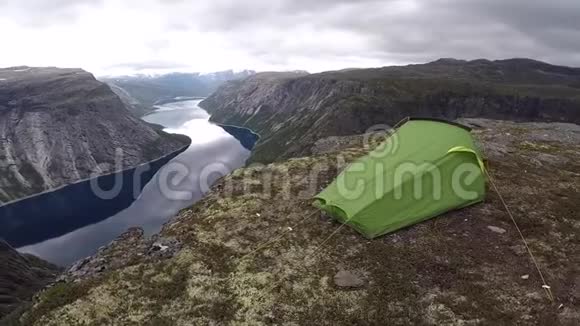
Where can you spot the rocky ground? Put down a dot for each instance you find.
(255, 251)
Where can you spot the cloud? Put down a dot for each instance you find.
(109, 36)
(148, 65)
(42, 13)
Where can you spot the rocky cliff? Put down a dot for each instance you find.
(133, 105)
(58, 126)
(21, 276)
(256, 252)
(291, 111)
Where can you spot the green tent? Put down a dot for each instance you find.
(425, 168)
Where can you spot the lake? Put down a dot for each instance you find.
(213, 153)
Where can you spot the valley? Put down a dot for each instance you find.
(290, 162)
(94, 169)
(225, 231)
(142, 93)
(212, 153)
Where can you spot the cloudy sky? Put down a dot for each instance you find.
(127, 36)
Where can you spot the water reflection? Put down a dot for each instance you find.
(211, 147)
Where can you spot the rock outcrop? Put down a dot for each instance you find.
(21, 276)
(256, 252)
(120, 253)
(291, 111)
(58, 126)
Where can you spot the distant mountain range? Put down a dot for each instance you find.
(292, 110)
(141, 92)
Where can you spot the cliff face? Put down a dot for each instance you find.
(20, 277)
(58, 126)
(133, 105)
(256, 252)
(290, 112)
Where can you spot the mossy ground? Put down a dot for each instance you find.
(450, 270)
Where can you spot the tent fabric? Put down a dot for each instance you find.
(426, 168)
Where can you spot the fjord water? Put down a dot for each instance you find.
(179, 184)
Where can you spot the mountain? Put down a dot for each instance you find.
(290, 112)
(255, 251)
(58, 126)
(142, 92)
(21, 276)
